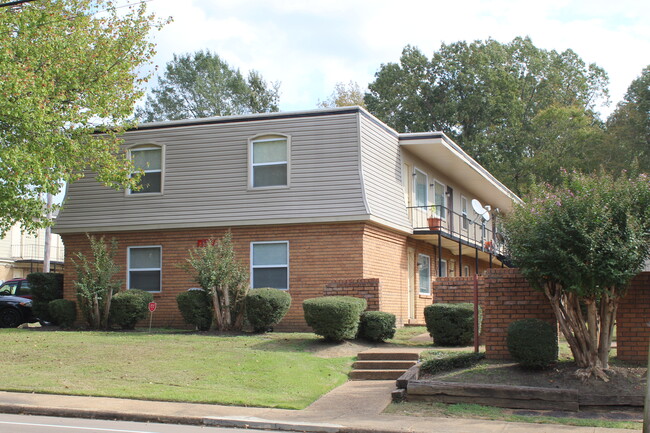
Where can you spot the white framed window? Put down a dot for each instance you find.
(424, 274)
(443, 268)
(466, 271)
(439, 199)
(269, 161)
(270, 265)
(464, 223)
(144, 268)
(421, 189)
(149, 159)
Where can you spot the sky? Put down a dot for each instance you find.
(309, 46)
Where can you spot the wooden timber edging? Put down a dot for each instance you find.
(516, 397)
(410, 388)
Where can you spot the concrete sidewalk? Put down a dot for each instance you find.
(353, 407)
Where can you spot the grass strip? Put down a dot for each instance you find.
(272, 370)
(475, 411)
(436, 361)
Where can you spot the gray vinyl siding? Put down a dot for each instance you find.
(382, 173)
(206, 178)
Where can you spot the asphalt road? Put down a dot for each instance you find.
(42, 424)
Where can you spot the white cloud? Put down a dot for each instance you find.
(309, 46)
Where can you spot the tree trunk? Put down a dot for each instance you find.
(583, 338)
(608, 308)
(95, 313)
(217, 320)
(226, 307)
(107, 309)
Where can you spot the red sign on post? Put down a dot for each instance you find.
(152, 306)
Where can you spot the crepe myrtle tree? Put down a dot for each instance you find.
(581, 243)
(213, 266)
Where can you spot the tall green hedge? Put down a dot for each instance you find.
(45, 287)
(451, 324)
(336, 318)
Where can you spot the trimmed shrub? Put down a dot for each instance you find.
(266, 307)
(45, 287)
(532, 343)
(451, 324)
(336, 318)
(63, 312)
(196, 308)
(435, 362)
(129, 307)
(377, 326)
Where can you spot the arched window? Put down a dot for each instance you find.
(269, 160)
(149, 158)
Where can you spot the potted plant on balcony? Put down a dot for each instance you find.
(435, 223)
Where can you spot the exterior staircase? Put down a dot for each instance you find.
(389, 364)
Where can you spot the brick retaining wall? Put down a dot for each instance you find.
(632, 331)
(509, 297)
(367, 288)
(455, 290)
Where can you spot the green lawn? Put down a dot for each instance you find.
(271, 370)
(430, 409)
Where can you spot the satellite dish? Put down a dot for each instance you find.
(499, 237)
(480, 210)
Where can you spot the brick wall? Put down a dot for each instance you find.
(367, 289)
(455, 290)
(384, 257)
(509, 297)
(632, 331)
(318, 254)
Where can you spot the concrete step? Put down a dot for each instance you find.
(385, 356)
(376, 374)
(383, 365)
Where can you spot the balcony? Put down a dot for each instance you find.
(454, 231)
(35, 250)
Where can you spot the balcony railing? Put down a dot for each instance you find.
(439, 219)
(34, 251)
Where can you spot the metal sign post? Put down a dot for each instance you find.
(152, 308)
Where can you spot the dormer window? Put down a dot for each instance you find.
(269, 161)
(148, 159)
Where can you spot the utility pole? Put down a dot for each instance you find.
(48, 235)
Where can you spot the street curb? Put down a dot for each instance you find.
(265, 424)
(239, 422)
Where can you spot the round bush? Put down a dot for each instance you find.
(377, 326)
(196, 308)
(129, 307)
(451, 324)
(266, 307)
(62, 312)
(532, 343)
(334, 317)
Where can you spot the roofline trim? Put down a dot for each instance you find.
(438, 135)
(244, 118)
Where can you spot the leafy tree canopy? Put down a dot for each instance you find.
(581, 243)
(344, 95)
(68, 68)
(629, 126)
(489, 97)
(203, 85)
